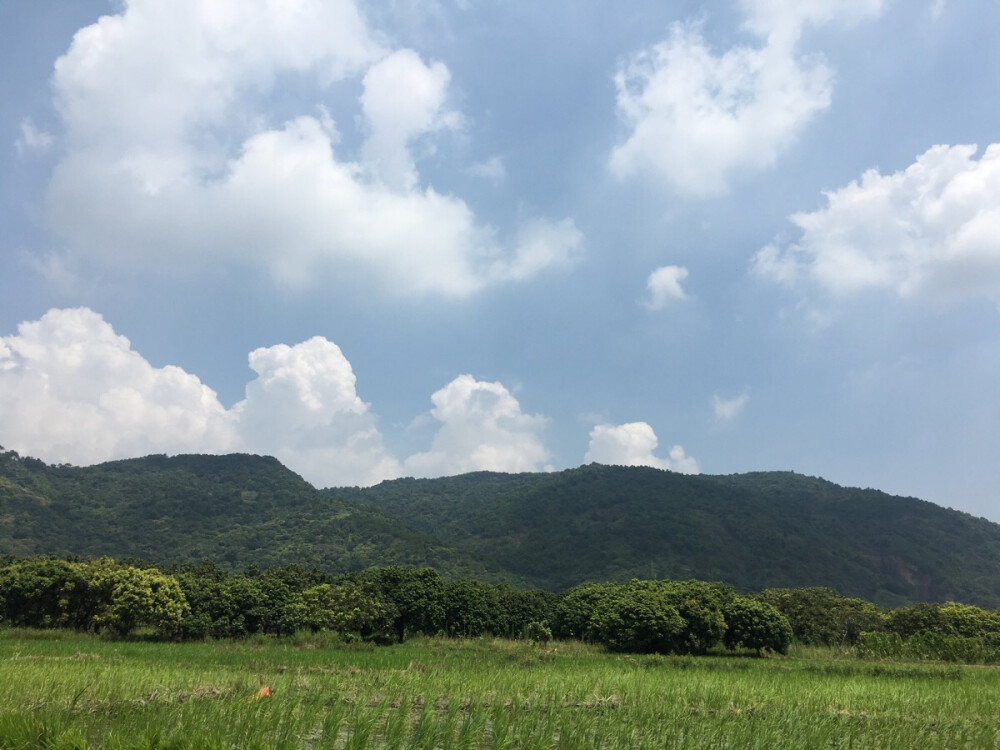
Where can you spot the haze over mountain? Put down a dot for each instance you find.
(549, 530)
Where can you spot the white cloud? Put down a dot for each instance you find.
(664, 285)
(71, 390)
(931, 231)
(726, 410)
(698, 120)
(170, 152)
(403, 98)
(482, 429)
(303, 409)
(632, 444)
(31, 139)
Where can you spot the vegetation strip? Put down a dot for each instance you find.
(478, 693)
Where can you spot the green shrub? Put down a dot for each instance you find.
(756, 625)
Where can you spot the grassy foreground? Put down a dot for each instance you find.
(61, 690)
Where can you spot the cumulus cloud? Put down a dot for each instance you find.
(403, 98)
(303, 408)
(664, 286)
(698, 120)
(169, 150)
(482, 429)
(930, 231)
(727, 409)
(632, 444)
(72, 390)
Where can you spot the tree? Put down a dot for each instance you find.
(41, 593)
(471, 608)
(701, 605)
(126, 597)
(574, 612)
(414, 598)
(638, 619)
(819, 616)
(343, 608)
(757, 625)
(519, 607)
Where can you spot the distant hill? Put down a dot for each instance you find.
(551, 530)
(235, 510)
(759, 530)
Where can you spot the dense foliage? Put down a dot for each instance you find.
(101, 595)
(776, 529)
(681, 617)
(236, 510)
(550, 531)
(385, 604)
(392, 604)
(822, 617)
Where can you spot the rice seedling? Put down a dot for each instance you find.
(75, 691)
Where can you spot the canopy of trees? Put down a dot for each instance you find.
(390, 604)
(549, 531)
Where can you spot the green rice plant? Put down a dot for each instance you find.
(80, 691)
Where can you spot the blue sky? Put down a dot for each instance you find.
(417, 238)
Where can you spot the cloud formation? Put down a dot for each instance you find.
(169, 151)
(303, 409)
(698, 120)
(664, 286)
(72, 390)
(632, 444)
(931, 231)
(482, 429)
(403, 99)
(727, 409)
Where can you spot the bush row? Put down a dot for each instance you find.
(190, 602)
(393, 603)
(380, 604)
(944, 632)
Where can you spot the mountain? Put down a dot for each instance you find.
(759, 530)
(551, 530)
(235, 510)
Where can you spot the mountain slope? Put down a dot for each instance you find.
(235, 510)
(553, 530)
(754, 531)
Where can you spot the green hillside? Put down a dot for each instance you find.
(235, 510)
(776, 529)
(552, 530)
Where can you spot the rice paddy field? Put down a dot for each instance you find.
(63, 690)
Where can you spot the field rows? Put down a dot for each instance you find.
(62, 690)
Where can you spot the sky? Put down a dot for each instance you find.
(427, 237)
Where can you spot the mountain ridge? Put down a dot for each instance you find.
(546, 530)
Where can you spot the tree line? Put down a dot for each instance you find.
(391, 604)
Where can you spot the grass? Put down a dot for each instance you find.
(62, 690)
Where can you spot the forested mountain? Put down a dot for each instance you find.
(234, 510)
(550, 530)
(773, 529)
